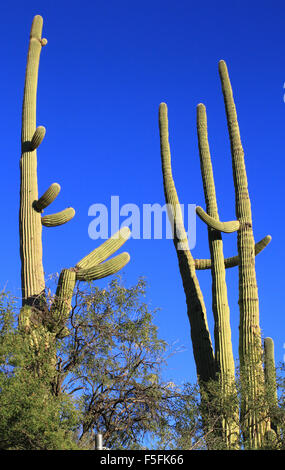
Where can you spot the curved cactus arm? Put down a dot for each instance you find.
(47, 198)
(225, 227)
(38, 137)
(105, 250)
(196, 310)
(60, 218)
(105, 269)
(201, 264)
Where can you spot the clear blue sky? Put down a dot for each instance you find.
(106, 68)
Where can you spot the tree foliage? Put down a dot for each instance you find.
(31, 417)
(114, 358)
(108, 378)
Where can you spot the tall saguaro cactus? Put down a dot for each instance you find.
(221, 365)
(30, 219)
(250, 346)
(224, 359)
(36, 317)
(202, 345)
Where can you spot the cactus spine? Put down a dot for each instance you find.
(224, 359)
(42, 323)
(250, 347)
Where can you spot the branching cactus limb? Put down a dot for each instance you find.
(91, 267)
(202, 346)
(94, 265)
(250, 347)
(224, 359)
(233, 261)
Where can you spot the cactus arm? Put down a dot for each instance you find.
(37, 138)
(196, 310)
(47, 198)
(250, 347)
(105, 269)
(60, 218)
(88, 269)
(225, 227)
(233, 261)
(32, 274)
(105, 250)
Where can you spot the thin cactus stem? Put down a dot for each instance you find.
(224, 358)
(202, 345)
(201, 264)
(270, 380)
(250, 347)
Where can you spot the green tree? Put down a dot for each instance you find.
(114, 359)
(31, 417)
(107, 377)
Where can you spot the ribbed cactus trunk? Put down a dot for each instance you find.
(224, 360)
(201, 341)
(250, 346)
(271, 385)
(32, 273)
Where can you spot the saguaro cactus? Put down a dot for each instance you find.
(270, 381)
(255, 422)
(35, 316)
(202, 345)
(224, 360)
(32, 273)
(250, 347)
